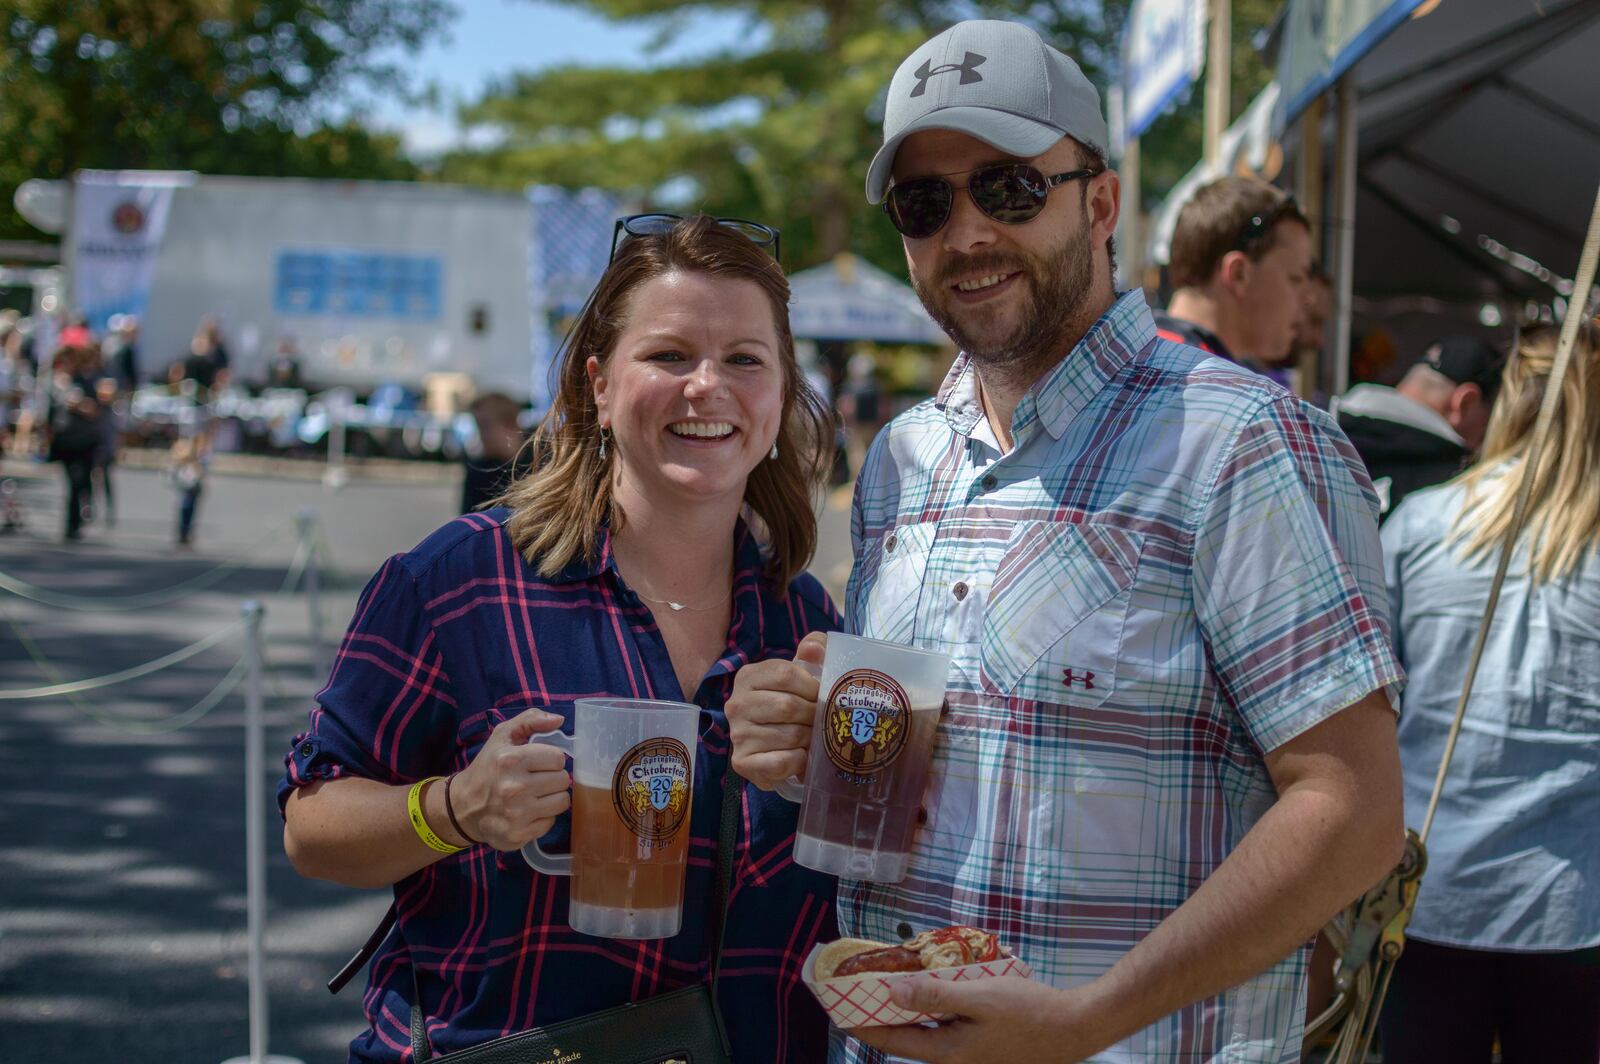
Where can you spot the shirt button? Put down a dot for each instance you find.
(991, 482)
(960, 591)
(888, 544)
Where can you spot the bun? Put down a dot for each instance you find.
(836, 953)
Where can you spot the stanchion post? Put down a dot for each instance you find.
(307, 520)
(335, 477)
(255, 840)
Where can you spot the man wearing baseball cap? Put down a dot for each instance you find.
(1422, 431)
(1168, 754)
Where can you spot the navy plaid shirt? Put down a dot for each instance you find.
(460, 634)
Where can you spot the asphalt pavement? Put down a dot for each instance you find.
(122, 854)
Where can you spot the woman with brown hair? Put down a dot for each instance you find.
(1505, 940)
(658, 546)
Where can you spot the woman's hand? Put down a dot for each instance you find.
(770, 714)
(513, 790)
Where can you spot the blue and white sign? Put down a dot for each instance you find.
(317, 282)
(1323, 39)
(569, 247)
(1163, 53)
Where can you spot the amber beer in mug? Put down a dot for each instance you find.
(633, 787)
(877, 710)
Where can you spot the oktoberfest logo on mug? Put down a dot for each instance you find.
(650, 789)
(866, 717)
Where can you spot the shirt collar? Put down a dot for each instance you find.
(1123, 331)
(749, 564)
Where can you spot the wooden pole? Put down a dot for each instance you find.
(1309, 191)
(1133, 215)
(1219, 71)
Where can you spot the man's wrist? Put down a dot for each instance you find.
(1102, 1012)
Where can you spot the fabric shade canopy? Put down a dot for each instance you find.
(1478, 156)
(1479, 150)
(849, 299)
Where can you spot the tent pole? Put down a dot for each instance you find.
(1218, 76)
(1133, 224)
(1346, 140)
(1309, 191)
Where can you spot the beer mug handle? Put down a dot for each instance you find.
(551, 864)
(794, 788)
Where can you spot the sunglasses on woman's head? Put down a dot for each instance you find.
(1011, 193)
(656, 224)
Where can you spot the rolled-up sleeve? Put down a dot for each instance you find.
(1288, 570)
(387, 712)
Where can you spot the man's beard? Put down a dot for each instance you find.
(1058, 289)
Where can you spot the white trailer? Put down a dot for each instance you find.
(375, 281)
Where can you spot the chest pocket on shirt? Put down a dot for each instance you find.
(889, 610)
(1053, 629)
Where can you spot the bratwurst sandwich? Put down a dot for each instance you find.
(949, 947)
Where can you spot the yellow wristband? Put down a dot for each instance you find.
(420, 822)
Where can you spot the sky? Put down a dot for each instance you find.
(492, 38)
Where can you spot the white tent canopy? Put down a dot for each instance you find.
(849, 299)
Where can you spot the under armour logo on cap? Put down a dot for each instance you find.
(968, 66)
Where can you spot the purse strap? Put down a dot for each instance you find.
(722, 882)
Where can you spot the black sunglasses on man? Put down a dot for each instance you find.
(1011, 193)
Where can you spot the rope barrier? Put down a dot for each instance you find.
(138, 672)
(72, 690)
(143, 600)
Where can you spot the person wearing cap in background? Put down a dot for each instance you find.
(1425, 429)
(1168, 753)
(1240, 268)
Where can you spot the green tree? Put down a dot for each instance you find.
(780, 129)
(777, 130)
(220, 86)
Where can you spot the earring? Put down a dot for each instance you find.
(774, 452)
(603, 435)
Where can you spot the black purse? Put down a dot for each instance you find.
(681, 1027)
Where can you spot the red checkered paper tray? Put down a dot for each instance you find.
(863, 1000)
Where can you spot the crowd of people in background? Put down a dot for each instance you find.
(71, 406)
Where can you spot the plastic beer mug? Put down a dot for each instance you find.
(877, 710)
(632, 790)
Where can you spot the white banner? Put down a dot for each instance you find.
(118, 220)
(1163, 52)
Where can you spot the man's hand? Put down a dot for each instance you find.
(513, 791)
(770, 714)
(1010, 1019)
